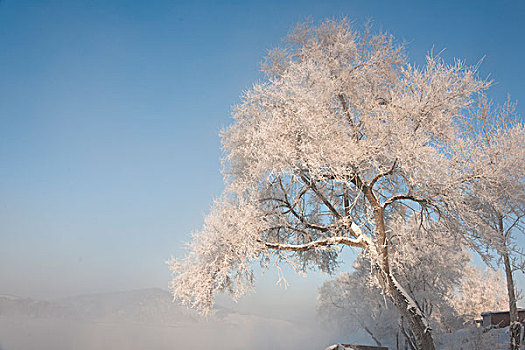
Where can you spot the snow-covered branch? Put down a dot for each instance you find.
(359, 242)
(399, 197)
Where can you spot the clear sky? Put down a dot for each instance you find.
(110, 112)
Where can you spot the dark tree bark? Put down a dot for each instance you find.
(515, 325)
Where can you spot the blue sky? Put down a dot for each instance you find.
(110, 113)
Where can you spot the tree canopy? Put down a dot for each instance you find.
(342, 142)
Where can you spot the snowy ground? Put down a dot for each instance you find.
(475, 339)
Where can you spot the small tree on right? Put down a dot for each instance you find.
(496, 193)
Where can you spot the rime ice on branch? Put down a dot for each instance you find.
(341, 138)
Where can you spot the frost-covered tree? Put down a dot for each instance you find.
(340, 136)
(478, 292)
(496, 194)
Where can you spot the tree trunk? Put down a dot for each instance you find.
(401, 299)
(411, 312)
(515, 325)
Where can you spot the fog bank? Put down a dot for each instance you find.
(144, 319)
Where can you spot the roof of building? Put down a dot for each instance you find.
(499, 312)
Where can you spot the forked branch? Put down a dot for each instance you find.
(381, 175)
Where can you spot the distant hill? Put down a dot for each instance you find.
(152, 306)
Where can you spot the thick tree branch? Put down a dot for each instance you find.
(346, 111)
(367, 191)
(386, 173)
(346, 201)
(399, 197)
(359, 242)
